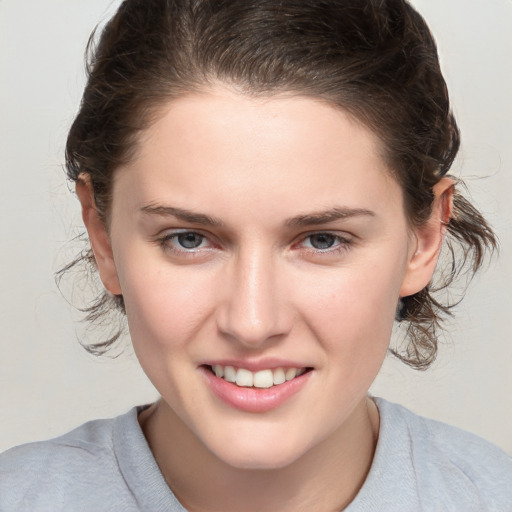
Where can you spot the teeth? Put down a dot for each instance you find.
(279, 376)
(244, 378)
(229, 374)
(291, 373)
(262, 379)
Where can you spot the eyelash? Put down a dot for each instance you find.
(166, 243)
(342, 244)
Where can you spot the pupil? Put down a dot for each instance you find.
(322, 241)
(190, 240)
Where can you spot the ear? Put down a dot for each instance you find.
(428, 239)
(98, 235)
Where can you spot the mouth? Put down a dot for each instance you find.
(262, 379)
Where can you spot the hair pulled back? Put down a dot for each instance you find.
(375, 59)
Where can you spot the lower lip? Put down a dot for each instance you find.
(254, 399)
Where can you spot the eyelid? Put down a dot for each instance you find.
(343, 242)
(167, 236)
(171, 232)
(342, 235)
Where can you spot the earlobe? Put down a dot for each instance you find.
(428, 239)
(98, 236)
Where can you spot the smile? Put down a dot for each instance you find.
(257, 391)
(260, 379)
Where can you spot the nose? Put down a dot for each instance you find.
(253, 309)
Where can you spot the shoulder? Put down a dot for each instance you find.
(61, 470)
(82, 445)
(448, 464)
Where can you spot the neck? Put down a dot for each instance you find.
(326, 478)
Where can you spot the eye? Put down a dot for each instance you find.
(322, 241)
(325, 245)
(325, 242)
(189, 240)
(184, 242)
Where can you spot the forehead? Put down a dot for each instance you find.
(249, 152)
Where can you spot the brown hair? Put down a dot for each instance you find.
(373, 58)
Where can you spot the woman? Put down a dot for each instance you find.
(265, 187)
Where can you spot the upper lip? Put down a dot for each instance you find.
(256, 365)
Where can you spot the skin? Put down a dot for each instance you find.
(257, 288)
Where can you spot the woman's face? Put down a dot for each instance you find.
(259, 238)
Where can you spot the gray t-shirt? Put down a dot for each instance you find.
(106, 465)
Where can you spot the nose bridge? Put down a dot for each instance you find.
(253, 310)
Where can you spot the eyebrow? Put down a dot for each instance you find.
(182, 214)
(326, 216)
(310, 219)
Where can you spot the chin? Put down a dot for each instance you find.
(266, 454)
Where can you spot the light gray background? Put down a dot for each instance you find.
(49, 384)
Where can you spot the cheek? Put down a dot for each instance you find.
(165, 307)
(166, 312)
(353, 309)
